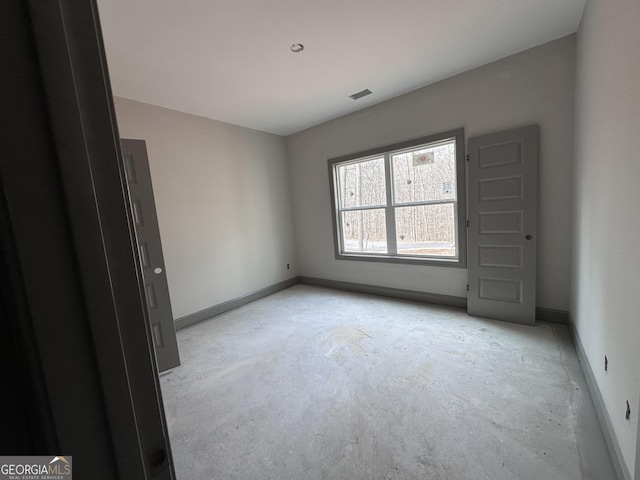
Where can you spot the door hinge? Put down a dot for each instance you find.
(467, 287)
(467, 157)
(467, 223)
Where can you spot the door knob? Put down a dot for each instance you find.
(157, 270)
(528, 237)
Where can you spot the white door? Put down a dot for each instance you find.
(502, 213)
(148, 235)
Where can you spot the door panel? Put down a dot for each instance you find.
(505, 256)
(506, 188)
(500, 223)
(503, 183)
(153, 270)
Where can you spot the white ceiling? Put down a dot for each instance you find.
(230, 60)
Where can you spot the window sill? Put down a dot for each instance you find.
(403, 260)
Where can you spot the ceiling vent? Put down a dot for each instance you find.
(361, 94)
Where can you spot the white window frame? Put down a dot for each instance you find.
(390, 207)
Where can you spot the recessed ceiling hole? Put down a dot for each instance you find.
(361, 94)
(296, 47)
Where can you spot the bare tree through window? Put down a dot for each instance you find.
(400, 203)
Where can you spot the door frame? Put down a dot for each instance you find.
(95, 360)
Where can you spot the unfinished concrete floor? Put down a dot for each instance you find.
(314, 383)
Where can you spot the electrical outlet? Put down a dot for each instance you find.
(627, 414)
(287, 266)
(606, 363)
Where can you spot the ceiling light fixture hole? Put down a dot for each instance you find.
(297, 47)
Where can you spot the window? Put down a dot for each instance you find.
(403, 203)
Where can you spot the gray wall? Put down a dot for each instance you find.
(606, 264)
(222, 193)
(535, 86)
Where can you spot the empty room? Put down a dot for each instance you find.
(372, 240)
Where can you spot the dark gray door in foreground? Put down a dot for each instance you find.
(503, 184)
(148, 234)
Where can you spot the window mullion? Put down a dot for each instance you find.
(426, 202)
(337, 212)
(390, 213)
(355, 209)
